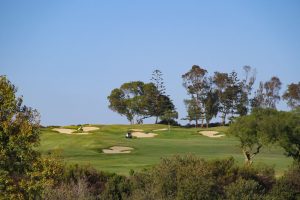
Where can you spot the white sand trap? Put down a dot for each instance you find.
(90, 128)
(71, 131)
(143, 135)
(137, 130)
(212, 134)
(162, 129)
(117, 149)
(64, 130)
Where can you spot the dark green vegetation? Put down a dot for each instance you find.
(84, 149)
(180, 177)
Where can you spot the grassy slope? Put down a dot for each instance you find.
(87, 149)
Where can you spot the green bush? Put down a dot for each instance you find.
(243, 189)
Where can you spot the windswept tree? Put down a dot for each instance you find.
(292, 95)
(195, 82)
(137, 101)
(127, 100)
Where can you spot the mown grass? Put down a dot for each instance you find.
(87, 149)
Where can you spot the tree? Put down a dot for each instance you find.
(19, 135)
(195, 83)
(193, 110)
(168, 116)
(292, 95)
(267, 95)
(137, 101)
(159, 101)
(256, 130)
(259, 97)
(289, 138)
(211, 105)
(272, 89)
(221, 82)
(245, 89)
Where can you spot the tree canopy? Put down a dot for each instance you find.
(138, 100)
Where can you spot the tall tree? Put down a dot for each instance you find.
(19, 135)
(272, 88)
(259, 97)
(267, 95)
(211, 105)
(221, 82)
(246, 86)
(160, 101)
(195, 82)
(292, 95)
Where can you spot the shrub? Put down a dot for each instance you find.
(244, 189)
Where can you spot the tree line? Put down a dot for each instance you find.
(222, 94)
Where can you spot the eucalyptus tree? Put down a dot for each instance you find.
(267, 95)
(221, 80)
(194, 112)
(195, 82)
(292, 95)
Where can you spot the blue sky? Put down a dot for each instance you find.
(66, 56)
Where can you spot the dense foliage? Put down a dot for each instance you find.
(265, 127)
(187, 177)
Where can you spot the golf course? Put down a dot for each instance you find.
(87, 149)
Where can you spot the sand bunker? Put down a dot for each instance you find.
(137, 130)
(162, 129)
(117, 149)
(143, 135)
(71, 131)
(89, 128)
(212, 134)
(64, 130)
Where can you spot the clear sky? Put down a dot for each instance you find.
(66, 56)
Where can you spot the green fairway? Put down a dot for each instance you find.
(87, 149)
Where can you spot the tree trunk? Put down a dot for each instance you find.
(224, 119)
(202, 122)
(207, 124)
(156, 120)
(196, 123)
(248, 158)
